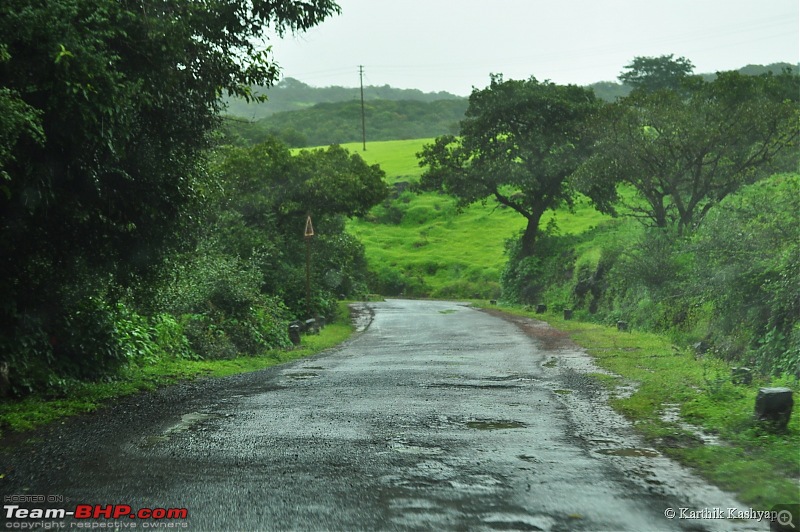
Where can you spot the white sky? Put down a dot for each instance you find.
(453, 45)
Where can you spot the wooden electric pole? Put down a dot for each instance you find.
(363, 122)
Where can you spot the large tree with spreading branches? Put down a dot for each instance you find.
(519, 142)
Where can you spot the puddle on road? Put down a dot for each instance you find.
(301, 375)
(514, 378)
(361, 316)
(602, 442)
(315, 368)
(629, 451)
(562, 392)
(473, 386)
(502, 521)
(186, 422)
(495, 424)
(671, 413)
(486, 383)
(529, 458)
(410, 448)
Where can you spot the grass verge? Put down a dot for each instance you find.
(37, 410)
(761, 467)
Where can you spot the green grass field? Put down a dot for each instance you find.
(396, 157)
(420, 245)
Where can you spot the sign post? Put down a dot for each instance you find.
(308, 235)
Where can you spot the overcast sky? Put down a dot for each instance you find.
(453, 45)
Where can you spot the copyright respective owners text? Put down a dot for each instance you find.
(781, 517)
(46, 512)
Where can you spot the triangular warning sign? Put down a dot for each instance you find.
(309, 228)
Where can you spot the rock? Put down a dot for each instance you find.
(774, 406)
(541, 309)
(622, 326)
(320, 322)
(700, 347)
(492, 301)
(294, 333)
(567, 313)
(311, 326)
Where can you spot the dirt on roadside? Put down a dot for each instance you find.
(550, 337)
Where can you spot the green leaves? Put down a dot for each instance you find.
(748, 265)
(684, 152)
(106, 110)
(518, 144)
(261, 215)
(657, 73)
(62, 53)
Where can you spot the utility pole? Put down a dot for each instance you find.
(363, 122)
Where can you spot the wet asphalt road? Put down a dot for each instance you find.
(438, 416)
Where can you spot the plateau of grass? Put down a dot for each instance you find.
(762, 467)
(396, 157)
(82, 397)
(434, 249)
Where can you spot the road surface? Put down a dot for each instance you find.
(437, 416)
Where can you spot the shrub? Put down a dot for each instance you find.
(223, 308)
(748, 268)
(170, 337)
(526, 279)
(207, 338)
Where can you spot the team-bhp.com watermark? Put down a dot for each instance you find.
(87, 516)
(785, 516)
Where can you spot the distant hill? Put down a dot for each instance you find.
(340, 122)
(757, 70)
(293, 95)
(303, 116)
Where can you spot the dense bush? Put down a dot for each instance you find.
(222, 295)
(526, 279)
(748, 268)
(734, 285)
(95, 339)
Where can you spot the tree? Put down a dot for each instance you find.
(268, 194)
(657, 73)
(519, 142)
(18, 120)
(684, 154)
(120, 99)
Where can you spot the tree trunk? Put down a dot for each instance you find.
(530, 234)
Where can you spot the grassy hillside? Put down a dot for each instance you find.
(340, 122)
(293, 95)
(419, 245)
